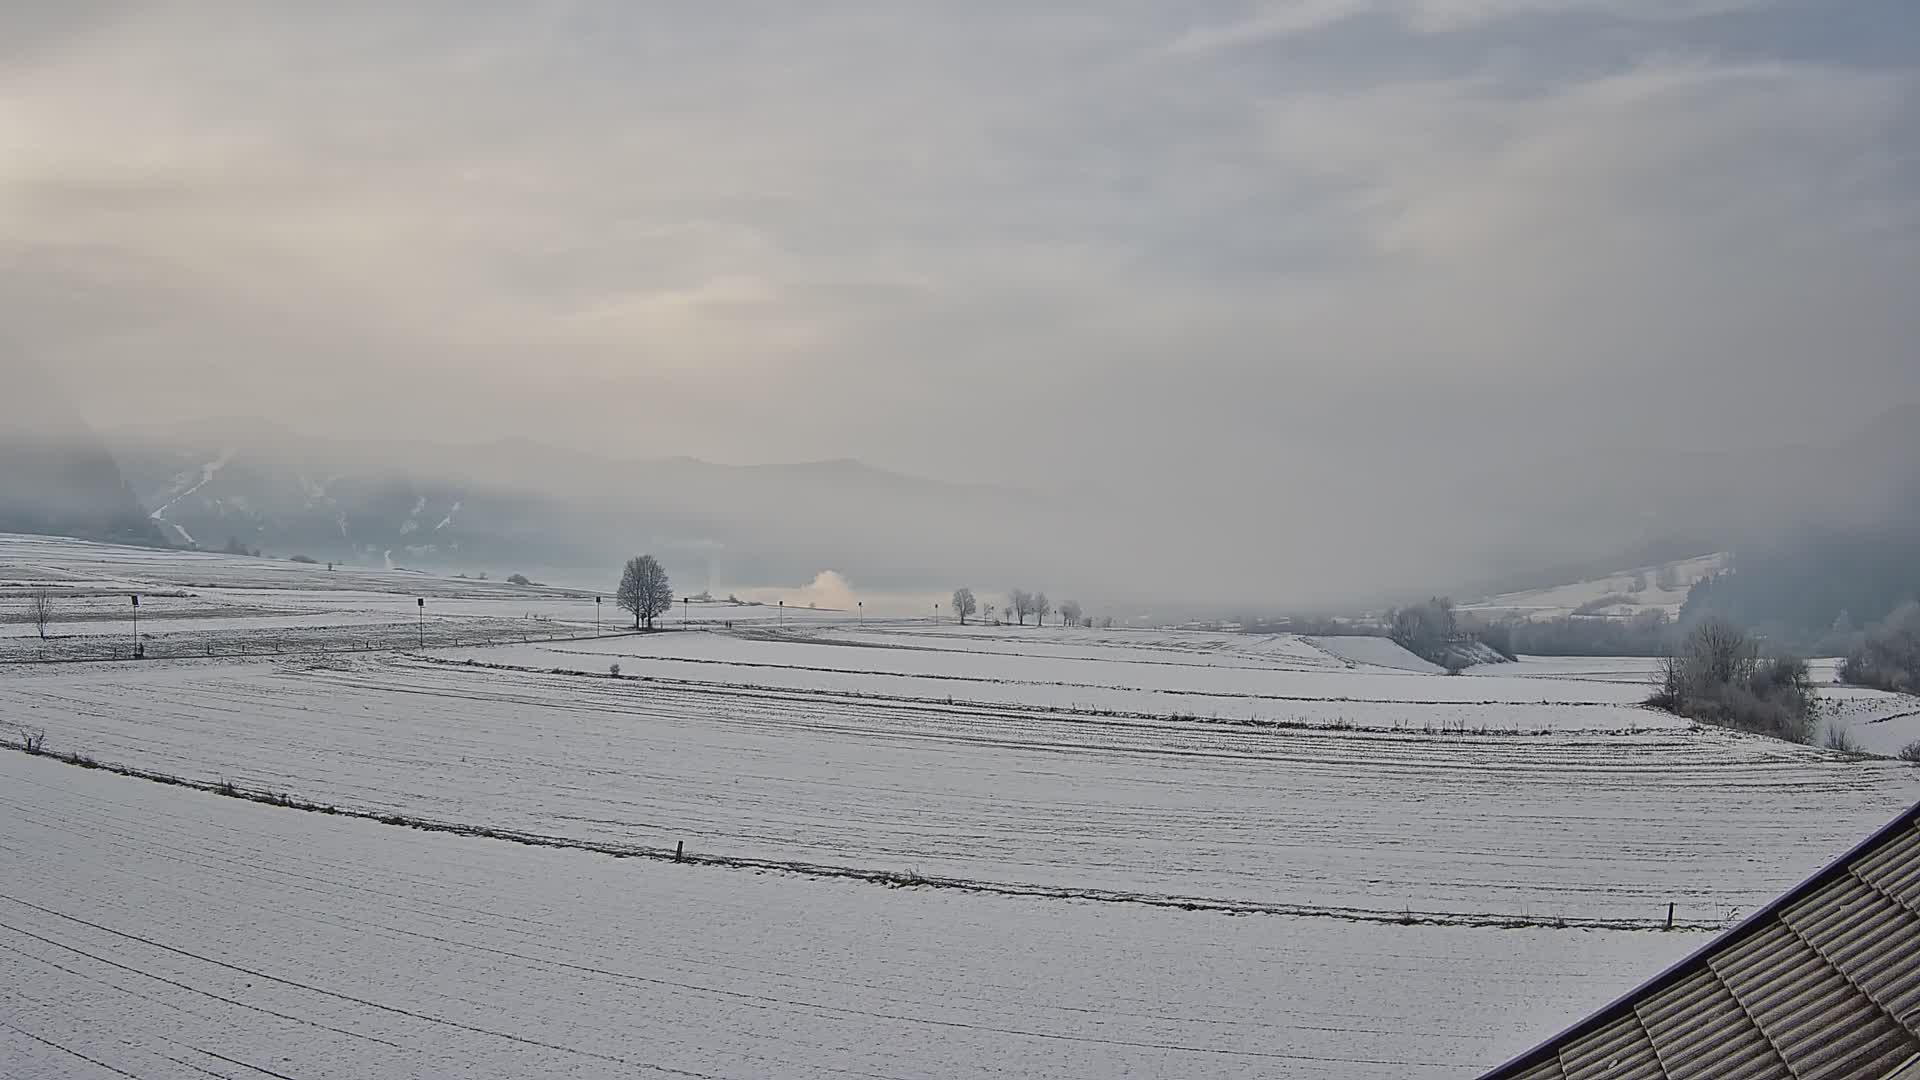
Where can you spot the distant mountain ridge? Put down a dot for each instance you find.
(515, 502)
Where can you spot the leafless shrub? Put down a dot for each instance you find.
(1716, 676)
(32, 741)
(1841, 739)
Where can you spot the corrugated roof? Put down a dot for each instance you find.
(1822, 984)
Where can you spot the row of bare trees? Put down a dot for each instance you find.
(1020, 604)
(1023, 603)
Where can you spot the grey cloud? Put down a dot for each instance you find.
(1280, 19)
(977, 244)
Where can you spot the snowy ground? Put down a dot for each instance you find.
(1878, 722)
(1375, 652)
(168, 933)
(208, 604)
(1135, 852)
(1576, 824)
(1268, 677)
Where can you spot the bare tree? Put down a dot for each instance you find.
(1020, 602)
(645, 590)
(1717, 653)
(1070, 613)
(40, 611)
(1041, 608)
(964, 604)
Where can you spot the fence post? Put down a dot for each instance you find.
(680, 851)
(1669, 914)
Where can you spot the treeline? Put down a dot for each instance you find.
(1848, 592)
(1020, 604)
(1819, 588)
(1649, 633)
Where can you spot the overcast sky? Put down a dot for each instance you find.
(1054, 244)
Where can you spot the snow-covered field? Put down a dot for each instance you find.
(1585, 822)
(162, 933)
(1110, 852)
(1159, 672)
(204, 603)
(1878, 722)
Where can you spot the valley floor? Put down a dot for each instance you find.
(914, 849)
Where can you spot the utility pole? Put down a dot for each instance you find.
(862, 605)
(783, 613)
(422, 602)
(596, 616)
(139, 650)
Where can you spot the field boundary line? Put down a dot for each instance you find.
(936, 676)
(1080, 711)
(876, 876)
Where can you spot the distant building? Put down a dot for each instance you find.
(1822, 983)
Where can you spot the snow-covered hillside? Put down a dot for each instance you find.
(1623, 593)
